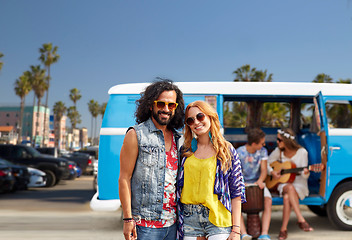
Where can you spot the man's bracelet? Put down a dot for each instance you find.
(127, 219)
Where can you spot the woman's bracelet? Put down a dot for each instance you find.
(235, 226)
(235, 232)
(127, 219)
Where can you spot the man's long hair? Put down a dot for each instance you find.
(151, 93)
(221, 146)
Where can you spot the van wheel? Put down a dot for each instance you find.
(318, 210)
(339, 207)
(50, 178)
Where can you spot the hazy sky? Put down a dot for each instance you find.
(108, 42)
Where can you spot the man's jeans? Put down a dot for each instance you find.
(146, 233)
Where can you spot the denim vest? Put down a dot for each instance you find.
(148, 178)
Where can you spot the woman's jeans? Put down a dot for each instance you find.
(197, 224)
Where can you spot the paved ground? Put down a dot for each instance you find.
(17, 225)
(37, 215)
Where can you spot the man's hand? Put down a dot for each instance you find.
(260, 183)
(129, 230)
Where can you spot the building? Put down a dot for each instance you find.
(8, 135)
(58, 128)
(31, 128)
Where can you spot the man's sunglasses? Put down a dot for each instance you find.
(161, 104)
(200, 117)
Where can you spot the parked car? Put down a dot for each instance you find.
(20, 173)
(55, 168)
(94, 153)
(78, 170)
(7, 180)
(83, 160)
(73, 172)
(53, 151)
(37, 178)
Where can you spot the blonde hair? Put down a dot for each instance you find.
(221, 146)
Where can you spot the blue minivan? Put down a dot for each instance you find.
(319, 113)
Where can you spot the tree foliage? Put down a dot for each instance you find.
(22, 88)
(1, 62)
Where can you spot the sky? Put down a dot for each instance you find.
(109, 42)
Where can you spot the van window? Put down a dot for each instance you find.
(275, 114)
(307, 117)
(235, 114)
(339, 114)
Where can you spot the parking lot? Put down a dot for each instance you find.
(63, 212)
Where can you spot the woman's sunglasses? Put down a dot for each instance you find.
(161, 104)
(200, 117)
(279, 139)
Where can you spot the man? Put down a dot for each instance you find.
(254, 156)
(148, 164)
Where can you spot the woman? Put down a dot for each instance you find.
(210, 185)
(289, 150)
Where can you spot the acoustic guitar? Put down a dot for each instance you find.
(288, 171)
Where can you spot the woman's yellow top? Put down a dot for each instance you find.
(198, 188)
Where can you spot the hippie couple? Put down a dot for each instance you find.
(167, 191)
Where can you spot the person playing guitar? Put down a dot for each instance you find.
(289, 150)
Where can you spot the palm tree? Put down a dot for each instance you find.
(244, 73)
(346, 81)
(59, 110)
(255, 107)
(275, 114)
(22, 88)
(262, 76)
(94, 110)
(40, 85)
(102, 109)
(322, 78)
(48, 56)
(74, 116)
(235, 114)
(75, 95)
(1, 63)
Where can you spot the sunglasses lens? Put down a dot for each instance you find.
(190, 121)
(200, 117)
(160, 104)
(279, 139)
(172, 106)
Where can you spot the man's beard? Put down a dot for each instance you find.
(161, 121)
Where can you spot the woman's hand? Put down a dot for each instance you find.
(234, 236)
(276, 174)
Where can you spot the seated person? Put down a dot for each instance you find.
(254, 156)
(289, 150)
